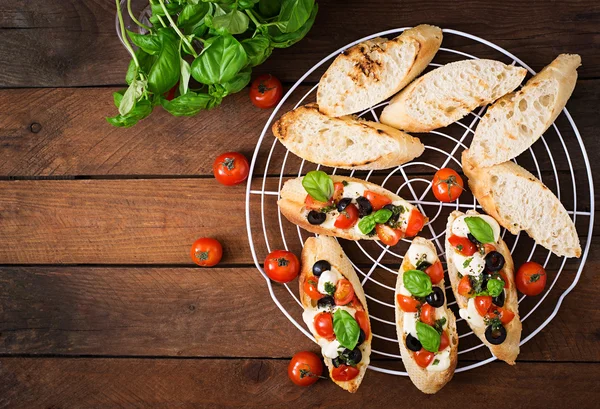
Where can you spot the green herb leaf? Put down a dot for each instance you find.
(294, 14)
(318, 185)
(346, 329)
(368, 223)
(238, 82)
(439, 325)
(428, 336)
(235, 22)
(269, 8)
(417, 283)
(184, 79)
(222, 58)
(495, 287)
(165, 70)
(382, 215)
(280, 39)
(150, 43)
(192, 16)
(467, 262)
(189, 104)
(258, 49)
(480, 229)
(141, 110)
(329, 288)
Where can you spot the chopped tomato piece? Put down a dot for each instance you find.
(338, 191)
(464, 287)
(356, 304)
(435, 272)
(416, 221)
(483, 304)
(444, 341)
(428, 314)
(344, 373)
(504, 314)
(377, 200)
(505, 279)
(407, 303)
(347, 218)
(323, 323)
(310, 287)
(313, 204)
(344, 292)
(388, 235)
(423, 357)
(463, 245)
(363, 322)
(489, 248)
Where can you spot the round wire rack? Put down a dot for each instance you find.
(559, 159)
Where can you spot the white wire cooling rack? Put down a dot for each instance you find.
(558, 159)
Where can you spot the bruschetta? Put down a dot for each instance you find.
(538, 211)
(335, 311)
(374, 70)
(349, 208)
(481, 272)
(449, 93)
(426, 327)
(344, 142)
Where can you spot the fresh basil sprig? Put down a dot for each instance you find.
(318, 185)
(480, 229)
(346, 329)
(368, 223)
(495, 287)
(214, 42)
(417, 283)
(430, 339)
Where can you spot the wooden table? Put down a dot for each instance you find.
(100, 305)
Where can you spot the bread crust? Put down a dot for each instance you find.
(427, 381)
(509, 349)
(327, 248)
(366, 73)
(304, 145)
(480, 183)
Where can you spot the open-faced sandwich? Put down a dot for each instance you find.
(481, 272)
(426, 327)
(335, 310)
(349, 208)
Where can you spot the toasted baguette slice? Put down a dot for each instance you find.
(427, 381)
(509, 349)
(373, 71)
(344, 142)
(293, 208)
(517, 120)
(519, 201)
(327, 248)
(449, 93)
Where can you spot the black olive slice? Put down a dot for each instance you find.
(495, 336)
(326, 302)
(499, 300)
(436, 297)
(494, 261)
(343, 203)
(316, 218)
(364, 206)
(320, 266)
(413, 343)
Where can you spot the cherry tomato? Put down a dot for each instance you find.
(170, 94)
(377, 200)
(505, 279)
(531, 278)
(463, 245)
(324, 325)
(206, 252)
(483, 304)
(313, 204)
(282, 266)
(344, 373)
(310, 288)
(428, 314)
(407, 303)
(338, 191)
(305, 368)
(464, 287)
(344, 292)
(444, 341)
(435, 272)
(231, 168)
(447, 185)
(266, 91)
(347, 218)
(416, 221)
(423, 357)
(363, 322)
(356, 304)
(505, 315)
(388, 235)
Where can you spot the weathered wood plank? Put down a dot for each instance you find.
(61, 132)
(74, 43)
(111, 383)
(189, 312)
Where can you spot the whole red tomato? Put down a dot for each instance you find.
(206, 252)
(266, 91)
(305, 368)
(282, 266)
(531, 278)
(447, 185)
(231, 168)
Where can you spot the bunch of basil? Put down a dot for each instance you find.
(223, 39)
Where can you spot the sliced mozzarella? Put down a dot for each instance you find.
(420, 252)
(471, 315)
(330, 349)
(404, 291)
(410, 323)
(441, 313)
(440, 362)
(330, 220)
(349, 310)
(471, 265)
(328, 277)
(460, 228)
(353, 190)
(405, 215)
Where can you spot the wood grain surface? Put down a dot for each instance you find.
(100, 304)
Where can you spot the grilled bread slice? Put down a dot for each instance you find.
(432, 378)
(517, 120)
(327, 248)
(519, 201)
(374, 70)
(508, 350)
(449, 93)
(344, 142)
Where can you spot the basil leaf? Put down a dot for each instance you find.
(346, 329)
(495, 287)
(258, 49)
(172, 7)
(293, 14)
(237, 83)
(246, 4)
(382, 215)
(235, 22)
(184, 79)
(141, 110)
(417, 283)
(428, 336)
(269, 8)
(284, 40)
(192, 15)
(189, 104)
(165, 71)
(318, 185)
(480, 229)
(368, 223)
(131, 95)
(150, 43)
(220, 61)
